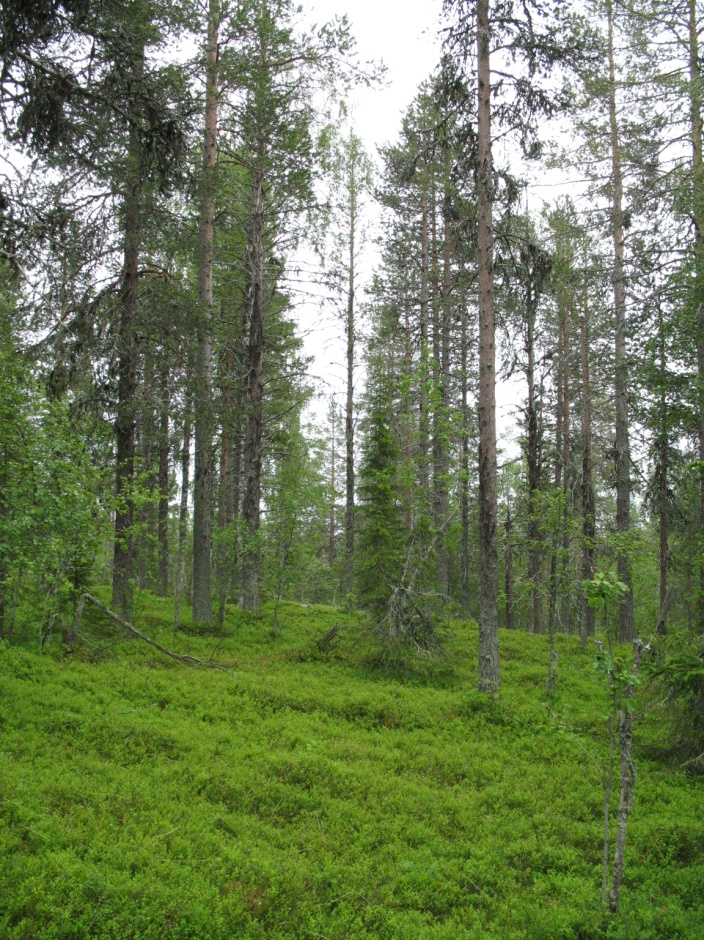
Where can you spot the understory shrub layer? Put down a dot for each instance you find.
(308, 793)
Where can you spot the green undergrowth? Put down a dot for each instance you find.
(322, 793)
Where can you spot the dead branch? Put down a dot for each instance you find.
(126, 625)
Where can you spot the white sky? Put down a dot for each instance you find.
(404, 35)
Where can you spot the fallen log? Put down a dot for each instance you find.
(130, 628)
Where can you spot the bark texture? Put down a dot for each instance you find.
(251, 563)
(622, 443)
(125, 422)
(203, 485)
(349, 412)
(587, 622)
(489, 670)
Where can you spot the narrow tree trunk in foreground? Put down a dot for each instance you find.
(183, 513)
(125, 422)
(203, 487)
(163, 525)
(349, 415)
(489, 669)
(623, 449)
(628, 781)
(588, 500)
(464, 462)
(332, 522)
(424, 331)
(251, 565)
(662, 476)
(508, 571)
(695, 102)
(535, 541)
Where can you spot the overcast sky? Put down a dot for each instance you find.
(404, 35)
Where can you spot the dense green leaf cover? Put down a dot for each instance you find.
(305, 794)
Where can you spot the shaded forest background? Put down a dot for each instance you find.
(155, 419)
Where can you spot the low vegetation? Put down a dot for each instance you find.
(315, 790)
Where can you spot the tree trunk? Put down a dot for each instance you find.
(566, 471)
(464, 462)
(508, 571)
(489, 668)
(183, 513)
(663, 474)
(424, 352)
(442, 463)
(145, 449)
(255, 390)
(623, 449)
(628, 781)
(203, 486)
(333, 483)
(588, 499)
(163, 528)
(557, 483)
(349, 416)
(695, 102)
(535, 546)
(125, 422)
(224, 565)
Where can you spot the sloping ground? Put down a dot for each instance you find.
(303, 795)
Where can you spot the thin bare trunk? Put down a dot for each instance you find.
(333, 484)
(663, 474)
(622, 444)
(349, 415)
(535, 541)
(588, 500)
(695, 102)
(183, 513)
(508, 570)
(424, 352)
(163, 525)
(125, 422)
(203, 485)
(628, 780)
(464, 460)
(489, 668)
(255, 391)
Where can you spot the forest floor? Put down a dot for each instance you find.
(307, 794)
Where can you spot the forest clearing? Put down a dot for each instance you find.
(351, 469)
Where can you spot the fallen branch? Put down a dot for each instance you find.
(126, 625)
(325, 641)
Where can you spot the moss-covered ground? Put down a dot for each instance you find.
(319, 795)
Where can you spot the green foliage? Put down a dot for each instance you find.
(678, 672)
(303, 795)
(381, 537)
(51, 516)
(604, 593)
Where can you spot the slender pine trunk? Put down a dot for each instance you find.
(535, 541)
(663, 474)
(349, 414)
(587, 622)
(251, 566)
(203, 484)
(695, 104)
(332, 522)
(424, 431)
(125, 422)
(164, 451)
(464, 463)
(489, 668)
(183, 511)
(622, 443)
